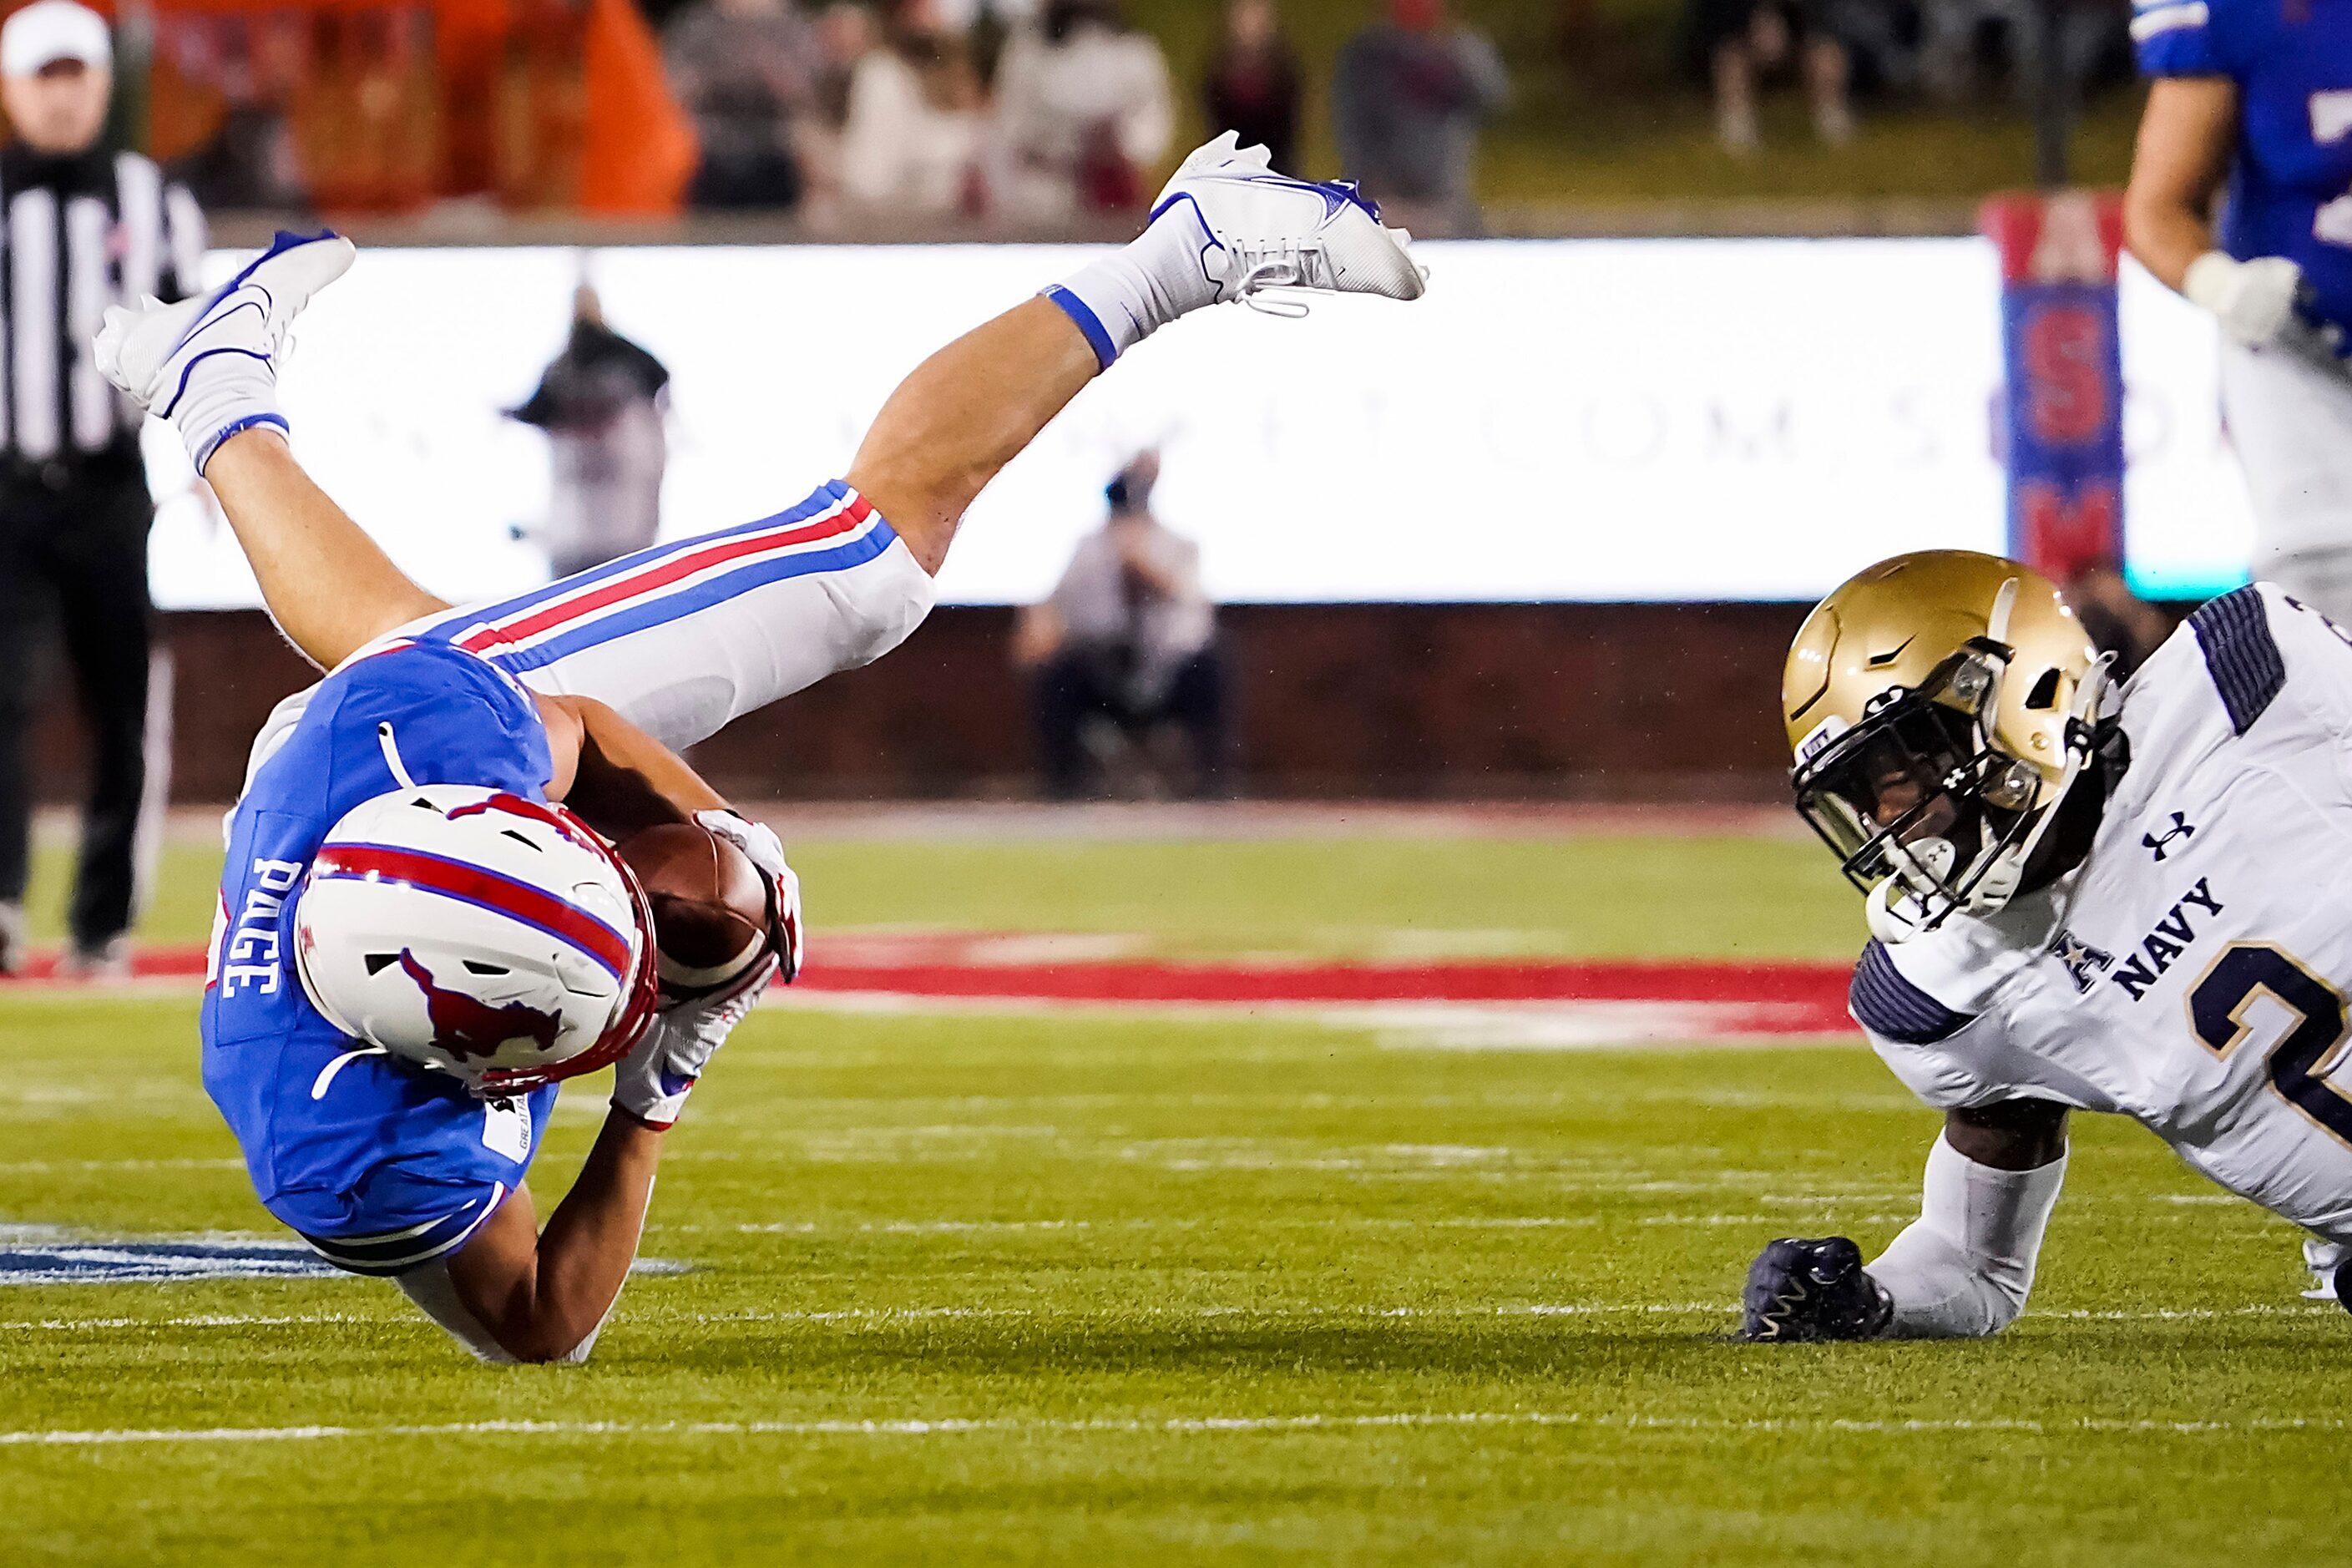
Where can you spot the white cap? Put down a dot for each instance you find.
(48, 31)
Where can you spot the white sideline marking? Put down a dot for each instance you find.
(1179, 1426)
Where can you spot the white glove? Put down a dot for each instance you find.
(764, 849)
(2254, 300)
(651, 1083)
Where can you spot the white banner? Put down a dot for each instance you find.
(1557, 420)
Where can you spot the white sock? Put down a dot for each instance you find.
(1162, 274)
(226, 391)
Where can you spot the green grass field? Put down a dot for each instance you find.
(1088, 1284)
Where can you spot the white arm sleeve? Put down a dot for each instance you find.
(1964, 1267)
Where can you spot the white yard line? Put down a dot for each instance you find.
(891, 1315)
(1176, 1426)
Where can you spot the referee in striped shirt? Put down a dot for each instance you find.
(81, 228)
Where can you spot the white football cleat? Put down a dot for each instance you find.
(1261, 230)
(208, 365)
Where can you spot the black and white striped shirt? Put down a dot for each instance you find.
(79, 234)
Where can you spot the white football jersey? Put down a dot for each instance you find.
(2192, 973)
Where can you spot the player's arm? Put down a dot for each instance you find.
(1962, 1269)
(541, 1295)
(621, 780)
(2187, 138)
(2187, 135)
(515, 1292)
(329, 586)
(617, 778)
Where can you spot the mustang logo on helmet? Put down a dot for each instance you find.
(469, 1026)
(463, 879)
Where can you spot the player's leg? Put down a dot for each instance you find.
(2290, 422)
(682, 638)
(208, 366)
(26, 597)
(329, 587)
(102, 592)
(965, 413)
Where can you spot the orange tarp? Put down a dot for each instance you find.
(638, 147)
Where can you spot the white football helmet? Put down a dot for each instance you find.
(477, 933)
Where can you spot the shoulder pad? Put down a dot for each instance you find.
(1889, 1005)
(2241, 654)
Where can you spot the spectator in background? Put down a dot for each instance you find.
(600, 403)
(1127, 641)
(744, 70)
(2082, 31)
(1084, 113)
(845, 34)
(912, 139)
(1741, 41)
(1253, 83)
(1407, 97)
(249, 161)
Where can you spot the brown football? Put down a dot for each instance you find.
(710, 903)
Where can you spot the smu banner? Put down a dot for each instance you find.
(2063, 408)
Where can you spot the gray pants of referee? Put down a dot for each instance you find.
(73, 555)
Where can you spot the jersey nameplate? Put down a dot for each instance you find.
(250, 955)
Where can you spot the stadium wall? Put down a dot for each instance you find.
(1614, 702)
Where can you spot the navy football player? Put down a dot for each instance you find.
(423, 927)
(2084, 896)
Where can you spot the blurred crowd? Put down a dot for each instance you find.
(1943, 52)
(1039, 111)
(909, 114)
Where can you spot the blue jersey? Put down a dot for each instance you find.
(2291, 188)
(380, 1165)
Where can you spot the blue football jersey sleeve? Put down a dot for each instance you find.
(2290, 191)
(2175, 37)
(381, 1165)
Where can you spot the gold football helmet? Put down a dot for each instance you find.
(1940, 706)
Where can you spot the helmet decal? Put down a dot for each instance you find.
(483, 888)
(564, 822)
(466, 1025)
(449, 882)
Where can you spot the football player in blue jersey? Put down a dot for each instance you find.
(423, 927)
(2251, 103)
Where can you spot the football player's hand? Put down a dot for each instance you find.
(764, 849)
(1800, 1291)
(2253, 301)
(651, 1083)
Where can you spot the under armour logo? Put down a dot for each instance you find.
(2162, 844)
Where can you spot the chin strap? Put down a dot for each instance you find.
(391, 750)
(2001, 881)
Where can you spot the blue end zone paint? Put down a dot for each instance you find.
(52, 1255)
(31, 1258)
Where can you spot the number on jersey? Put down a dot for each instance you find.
(2306, 1053)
